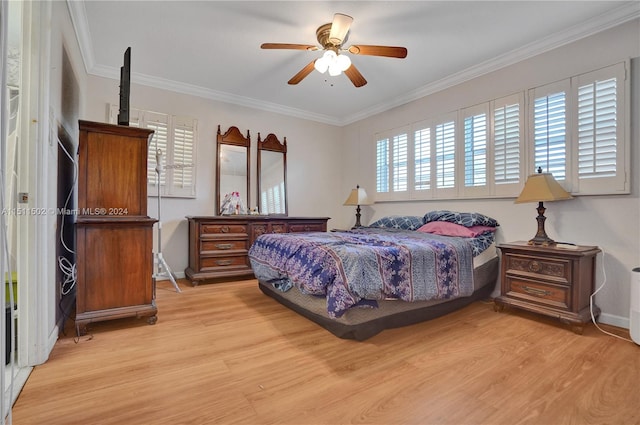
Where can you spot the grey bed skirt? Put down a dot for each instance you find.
(363, 323)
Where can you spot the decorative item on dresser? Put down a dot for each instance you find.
(219, 245)
(113, 231)
(549, 280)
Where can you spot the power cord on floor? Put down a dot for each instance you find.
(593, 318)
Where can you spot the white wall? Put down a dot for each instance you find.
(611, 222)
(313, 157)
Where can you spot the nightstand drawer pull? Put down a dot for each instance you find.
(536, 291)
(224, 246)
(224, 262)
(535, 267)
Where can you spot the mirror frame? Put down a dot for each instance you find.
(235, 138)
(272, 144)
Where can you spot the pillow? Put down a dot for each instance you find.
(464, 219)
(452, 229)
(405, 222)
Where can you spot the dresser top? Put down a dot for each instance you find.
(241, 217)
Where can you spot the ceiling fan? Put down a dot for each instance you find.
(331, 37)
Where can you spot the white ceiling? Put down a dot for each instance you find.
(212, 48)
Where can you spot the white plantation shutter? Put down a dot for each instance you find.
(445, 161)
(600, 150)
(422, 159)
(549, 128)
(176, 137)
(382, 166)
(159, 123)
(400, 162)
(184, 145)
(508, 148)
(474, 154)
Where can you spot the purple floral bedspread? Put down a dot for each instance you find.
(363, 265)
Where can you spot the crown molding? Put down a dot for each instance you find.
(78, 15)
(618, 16)
(593, 26)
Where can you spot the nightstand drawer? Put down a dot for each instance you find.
(532, 291)
(552, 269)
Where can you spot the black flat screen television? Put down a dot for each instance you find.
(125, 89)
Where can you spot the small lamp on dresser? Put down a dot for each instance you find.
(541, 187)
(358, 196)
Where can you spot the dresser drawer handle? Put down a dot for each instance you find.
(534, 266)
(224, 246)
(224, 229)
(536, 291)
(224, 262)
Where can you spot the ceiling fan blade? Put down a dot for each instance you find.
(339, 28)
(303, 73)
(388, 51)
(288, 46)
(354, 75)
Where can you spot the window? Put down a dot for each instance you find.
(475, 158)
(550, 129)
(508, 145)
(382, 166)
(577, 130)
(445, 140)
(600, 152)
(173, 143)
(400, 152)
(422, 158)
(392, 164)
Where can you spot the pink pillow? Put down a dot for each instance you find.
(446, 228)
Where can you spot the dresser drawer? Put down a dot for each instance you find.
(222, 228)
(214, 246)
(307, 227)
(551, 269)
(556, 296)
(219, 263)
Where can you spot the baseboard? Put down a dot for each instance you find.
(613, 320)
(179, 275)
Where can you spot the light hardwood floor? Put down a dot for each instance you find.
(226, 353)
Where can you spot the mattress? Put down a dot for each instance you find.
(363, 323)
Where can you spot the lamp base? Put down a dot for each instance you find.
(542, 241)
(541, 237)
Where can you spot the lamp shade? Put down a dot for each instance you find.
(542, 187)
(358, 196)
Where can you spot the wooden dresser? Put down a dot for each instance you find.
(219, 245)
(113, 232)
(556, 282)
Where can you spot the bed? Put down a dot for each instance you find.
(398, 271)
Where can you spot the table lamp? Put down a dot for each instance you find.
(541, 187)
(358, 197)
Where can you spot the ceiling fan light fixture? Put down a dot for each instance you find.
(343, 62)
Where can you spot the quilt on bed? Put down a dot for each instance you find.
(360, 266)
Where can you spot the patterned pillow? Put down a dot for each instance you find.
(405, 222)
(464, 219)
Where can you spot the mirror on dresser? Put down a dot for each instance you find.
(232, 167)
(272, 175)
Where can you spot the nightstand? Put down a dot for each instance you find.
(556, 282)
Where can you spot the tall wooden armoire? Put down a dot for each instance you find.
(114, 235)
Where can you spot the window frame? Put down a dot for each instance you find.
(525, 99)
(168, 187)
